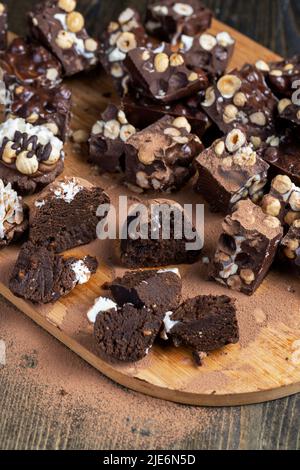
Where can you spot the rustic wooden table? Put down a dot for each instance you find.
(24, 424)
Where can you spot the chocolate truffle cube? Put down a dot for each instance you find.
(160, 236)
(3, 27)
(13, 215)
(149, 288)
(203, 324)
(230, 170)
(290, 246)
(169, 19)
(242, 98)
(43, 277)
(281, 75)
(283, 201)
(108, 138)
(246, 248)
(161, 156)
(207, 52)
(162, 75)
(29, 63)
(65, 214)
(118, 39)
(30, 156)
(56, 25)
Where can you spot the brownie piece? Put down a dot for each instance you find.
(64, 215)
(148, 288)
(203, 324)
(56, 25)
(281, 75)
(169, 19)
(283, 200)
(30, 63)
(246, 248)
(13, 215)
(162, 75)
(207, 52)
(242, 98)
(108, 139)
(161, 156)
(30, 156)
(142, 111)
(43, 277)
(3, 27)
(290, 246)
(118, 39)
(160, 236)
(125, 333)
(230, 170)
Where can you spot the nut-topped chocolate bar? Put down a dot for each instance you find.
(281, 75)
(61, 29)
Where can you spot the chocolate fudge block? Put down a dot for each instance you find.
(283, 200)
(246, 248)
(169, 19)
(30, 156)
(203, 324)
(281, 75)
(125, 333)
(207, 52)
(229, 171)
(3, 27)
(43, 277)
(13, 215)
(108, 138)
(56, 25)
(64, 215)
(290, 246)
(290, 111)
(161, 156)
(29, 63)
(149, 288)
(118, 39)
(157, 238)
(162, 75)
(143, 112)
(242, 98)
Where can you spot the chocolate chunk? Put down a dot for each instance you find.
(43, 277)
(242, 98)
(64, 215)
(108, 138)
(161, 156)
(161, 236)
(157, 289)
(169, 19)
(207, 52)
(246, 248)
(203, 324)
(61, 30)
(3, 27)
(13, 215)
(162, 75)
(281, 75)
(230, 170)
(290, 246)
(290, 111)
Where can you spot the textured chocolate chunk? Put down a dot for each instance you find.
(61, 30)
(246, 248)
(43, 277)
(169, 19)
(281, 75)
(161, 156)
(203, 324)
(290, 246)
(13, 215)
(108, 138)
(157, 289)
(162, 75)
(290, 111)
(3, 27)
(230, 170)
(283, 200)
(65, 214)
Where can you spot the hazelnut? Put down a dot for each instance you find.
(291, 217)
(294, 201)
(282, 184)
(227, 162)
(262, 66)
(210, 97)
(289, 253)
(293, 245)
(19, 90)
(64, 40)
(182, 123)
(9, 154)
(183, 9)
(145, 155)
(240, 99)
(75, 22)
(141, 180)
(220, 148)
(161, 10)
(80, 136)
(296, 223)
(161, 62)
(229, 85)
(27, 166)
(272, 222)
(245, 157)
(271, 206)
(112, 27)
(207, 41)
(273, 141)
(192, 77)
(256, 142)
(283, 104)
(172, 131)
(112, 129)
(126, 132)
(146, 55)
(126, 15)
(117, 70)
(247, 275)
(181, 140)
(98, 127)
(235, 140)
(258, 118)
(32, 118)
(90, 45)
(230, 113)
(176, 60)
(126, 42)
(122, 117)
(276, 73)
(234, 282)
(52, 127)
(288, 67)
(53, 158)
(52, 74)
(67, 5)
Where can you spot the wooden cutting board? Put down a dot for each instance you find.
(264, 366)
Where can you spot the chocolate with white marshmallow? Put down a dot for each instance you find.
(13, 216)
